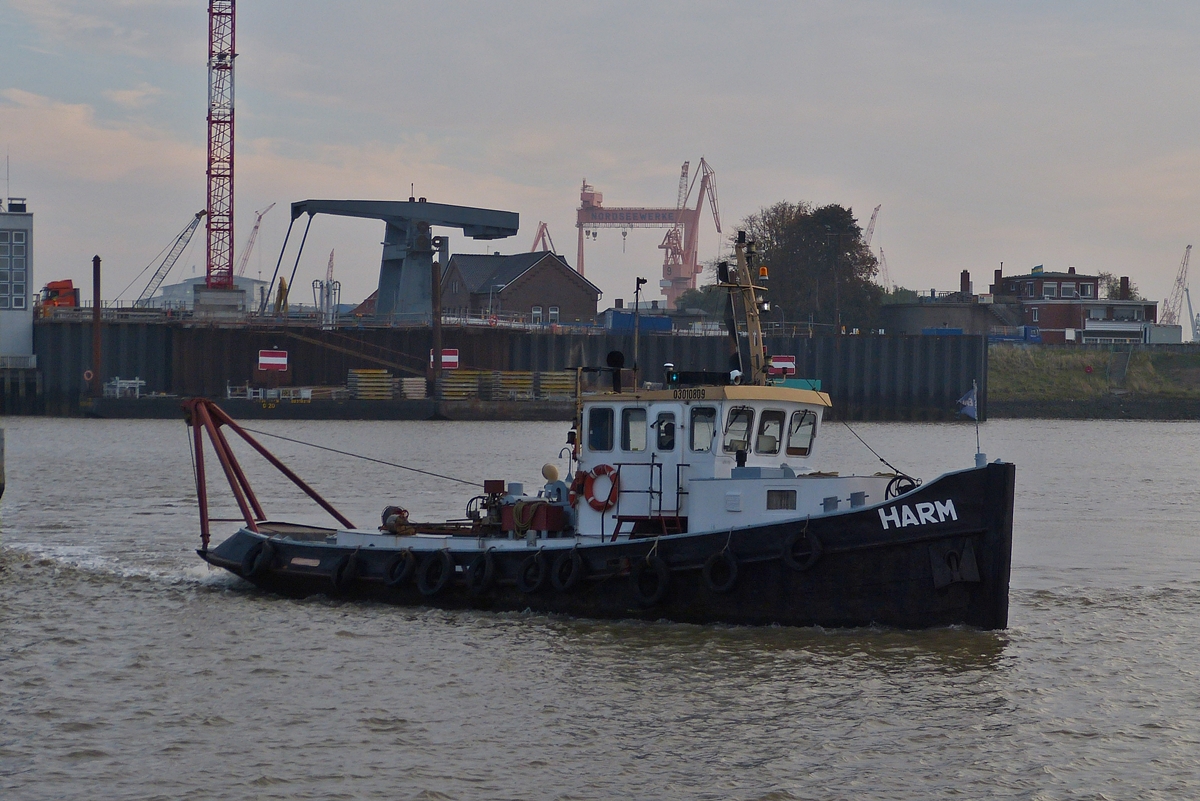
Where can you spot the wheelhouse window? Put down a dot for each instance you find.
(600, 429)
(770, 432)
(633, 429)
(704, 426)
(665, 427)
(738, 426)
(801, 432)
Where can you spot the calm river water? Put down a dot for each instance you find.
(130, 670)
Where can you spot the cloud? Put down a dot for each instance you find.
(140, 97)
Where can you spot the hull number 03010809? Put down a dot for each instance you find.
(689, 394)
(901, 516)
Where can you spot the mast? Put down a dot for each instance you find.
(744, 293)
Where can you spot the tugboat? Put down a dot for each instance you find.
(694, 501)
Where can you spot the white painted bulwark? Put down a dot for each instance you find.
(16, 281)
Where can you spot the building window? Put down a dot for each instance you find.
(1049, 290)
(12, 270)
(737, 429)
(537, 315)
(781, 499)
(553, 314)
(1068, 290)
(704, 425)
(600, 429)
(1086, 291)
(1029, 289)
(1035, 313)
(633, 429)
(1096, 313)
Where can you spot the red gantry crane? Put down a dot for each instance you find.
(680, 262)
(221, 54)
(542, 240)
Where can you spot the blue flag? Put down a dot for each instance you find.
(968, 406)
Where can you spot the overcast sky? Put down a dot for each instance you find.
(1062, 134)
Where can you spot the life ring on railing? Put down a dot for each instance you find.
(88, 375)
(492, 321)
(589, 486)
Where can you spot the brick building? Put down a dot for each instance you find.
(536, 287)
(1067, 307)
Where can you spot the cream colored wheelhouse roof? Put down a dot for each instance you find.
(717, 393)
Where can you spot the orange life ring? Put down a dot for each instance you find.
(589, 485)
(492, 321)
(88, 376)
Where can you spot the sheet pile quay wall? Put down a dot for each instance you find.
(868, 377)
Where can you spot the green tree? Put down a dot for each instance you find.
(709, 299)
(1110, 287)
(818, 264)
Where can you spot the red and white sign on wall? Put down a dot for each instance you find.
(782, 365)
(272, 360)
(449, 358)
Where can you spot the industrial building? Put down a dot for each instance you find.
(539, 288)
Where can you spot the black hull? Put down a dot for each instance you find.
(850, 569)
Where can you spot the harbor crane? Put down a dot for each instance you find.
(680, 262)
(258, 215)
(221, 54)
(871, 227)
(542, 240)
(173, 253)
(1172, 305)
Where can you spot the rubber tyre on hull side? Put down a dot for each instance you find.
(481, 574)
(721, 571)
(802, 550)
(532, 574)
(651, 578)
(436, 573)
(569, 569)
(400, 568)
(258, 559)
(344, 573)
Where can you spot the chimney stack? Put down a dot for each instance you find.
(1124, 287)
(964, 282)
(619, 303)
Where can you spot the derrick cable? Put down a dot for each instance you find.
(360, 456)
(895, 469)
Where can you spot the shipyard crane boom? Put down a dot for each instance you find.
(173, 254)
(542, 240)
(871, 227)
(1171, 306)
(258, 215)
(1187, 295)
(885, 277)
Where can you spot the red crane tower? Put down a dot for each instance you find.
(221, 54)
(680, 262)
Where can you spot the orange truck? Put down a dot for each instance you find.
(58, 294)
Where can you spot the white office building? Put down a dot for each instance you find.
(16, 284)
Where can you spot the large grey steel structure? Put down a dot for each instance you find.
(405, 283)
